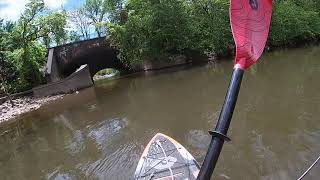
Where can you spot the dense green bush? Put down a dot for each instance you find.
(158, 29)
(23, 44)
(154, 29)
(28, 66)
(211, 27)
(7, 73)
(293, 22)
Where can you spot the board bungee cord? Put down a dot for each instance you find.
(310, 168)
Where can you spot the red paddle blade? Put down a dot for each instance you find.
(250, 22)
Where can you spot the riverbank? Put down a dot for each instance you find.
(23, 105)
(29, 103)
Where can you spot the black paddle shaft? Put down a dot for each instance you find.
(219, 135)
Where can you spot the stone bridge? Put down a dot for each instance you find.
(96, 53)
(70, 67)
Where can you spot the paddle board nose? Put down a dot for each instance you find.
(164, 158)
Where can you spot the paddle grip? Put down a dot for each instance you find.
(222, 126)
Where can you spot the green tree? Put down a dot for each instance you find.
(29, 30)
(7, 75)
(54, 31)
(99, 12)
(211, 25)
(81, 22)
(73, 36)
(96, 11)
(7, 69)
(117, 14)
(293, 21)
(35, 24)
(154, 29)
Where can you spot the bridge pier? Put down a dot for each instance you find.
(52, 72)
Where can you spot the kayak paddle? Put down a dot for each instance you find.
(250, 22)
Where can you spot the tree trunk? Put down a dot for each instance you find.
(5, 90)
(98, 32)
(10, 99)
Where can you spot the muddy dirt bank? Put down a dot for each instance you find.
(23, 105)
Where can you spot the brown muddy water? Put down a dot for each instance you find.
(101, 132)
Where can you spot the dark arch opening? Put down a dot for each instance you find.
(97, 58)
(108, 73)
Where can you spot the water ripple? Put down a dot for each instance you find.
(104, 133)
(108, 167)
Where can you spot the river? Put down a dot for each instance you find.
(100, 132)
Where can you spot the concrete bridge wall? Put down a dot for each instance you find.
(77, 80)
(97, 53)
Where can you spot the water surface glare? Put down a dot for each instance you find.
(101, 132)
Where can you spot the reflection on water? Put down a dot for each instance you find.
(106, 132)
(198, 140)
(101, 132)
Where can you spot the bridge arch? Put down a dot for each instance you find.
(96, 53)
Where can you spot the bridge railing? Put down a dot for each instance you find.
(79, 39)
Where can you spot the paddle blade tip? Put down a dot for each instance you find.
(250, 24)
